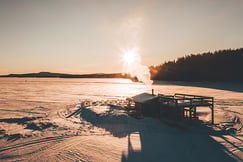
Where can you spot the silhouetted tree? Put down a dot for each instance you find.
(218, 66)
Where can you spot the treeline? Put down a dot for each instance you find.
(61, 75)
(218, 66)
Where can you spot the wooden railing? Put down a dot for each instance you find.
(186, 99)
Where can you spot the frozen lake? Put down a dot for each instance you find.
(24, 93)
(33, 123)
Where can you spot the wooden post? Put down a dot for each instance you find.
(194, 111)
(212, 108)
(190, 113)
(212, 114)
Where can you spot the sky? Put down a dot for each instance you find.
(90, 36)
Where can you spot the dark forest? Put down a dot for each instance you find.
(219, 66)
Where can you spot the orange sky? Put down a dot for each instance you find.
(83, 36)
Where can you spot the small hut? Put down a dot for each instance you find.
(146, 104)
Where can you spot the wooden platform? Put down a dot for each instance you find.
(184, 106)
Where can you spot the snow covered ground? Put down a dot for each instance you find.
(34, 124)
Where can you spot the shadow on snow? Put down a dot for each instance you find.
(160, 142)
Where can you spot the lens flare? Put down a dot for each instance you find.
(129, 57)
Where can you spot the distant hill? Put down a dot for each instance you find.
(219, 66)
(61, 75)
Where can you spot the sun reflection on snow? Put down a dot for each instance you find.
(125, 88)
(134, 141)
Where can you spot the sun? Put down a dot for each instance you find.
(129, 56)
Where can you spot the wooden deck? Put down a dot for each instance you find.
(184, 106)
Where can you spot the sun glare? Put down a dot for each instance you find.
(129, 56)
